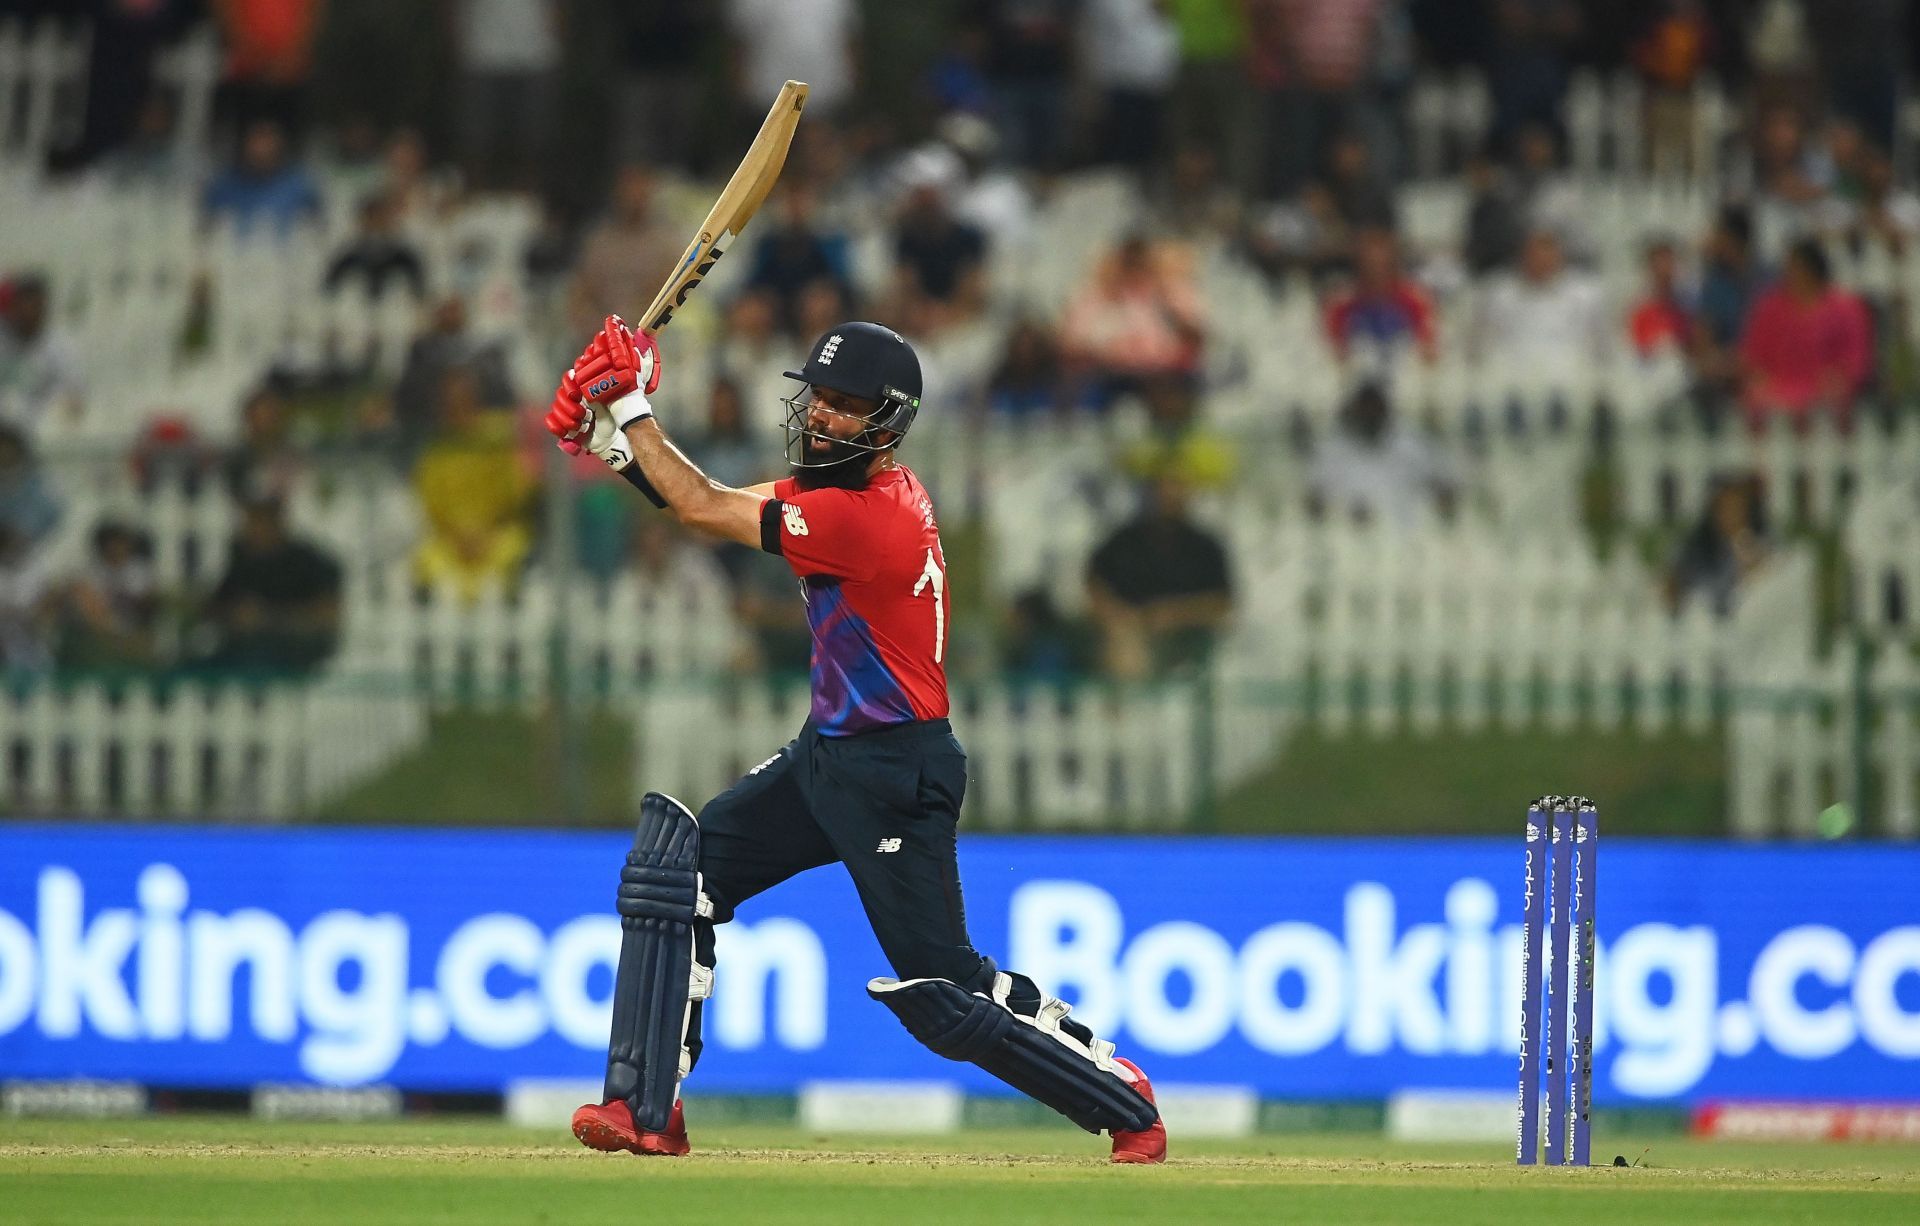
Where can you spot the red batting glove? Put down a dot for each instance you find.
(618, 363)
(568, 417)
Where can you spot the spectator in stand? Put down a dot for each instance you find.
(1545, 316)
(1548, 197)
(1729, 543)
(277, 609)
(1138, 316)
(1496, 217)
(422, 194)
(816, 41)
(1210, 99)
(26, 612)
(1030, 63)
(474, 495)
(110, 614)
(1193, 202)
(679, 579)
(1675, 45)
(940, 260)
(264, 189)
(822, 305)
(1729, 282)
(448, 344)
(1031, 380)
(509, 57)
(125, 39)
(1039, 643)
(956, 82)
(264, 463)
(1384, 312)
(627, 256)
(1359, 196)
(1661, 322)
(989, 196)
(350, 162)
(1808, 345)
(1862, 45)
(1886, 214)
(1130, 53)
(1177, 443)
(378, 255)
(795, 252)
(1373, 468)
(269, 45)
(1308, 60)
(1528, 65)
(1159, 588)
(752, 351)
(41, 385)
(150, 158)
(665, 47)
(778, 639)
(28, 507)
(729, 452)
(1791, 177)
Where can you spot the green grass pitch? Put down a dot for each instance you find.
(212, 1169)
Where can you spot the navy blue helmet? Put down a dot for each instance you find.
(856, 359)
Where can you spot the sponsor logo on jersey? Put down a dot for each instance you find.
(887, 846)
(796, 523)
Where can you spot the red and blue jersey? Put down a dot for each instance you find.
(875, 581)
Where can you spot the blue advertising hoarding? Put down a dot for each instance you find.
(1321, 969)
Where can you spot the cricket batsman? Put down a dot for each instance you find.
(873, 781)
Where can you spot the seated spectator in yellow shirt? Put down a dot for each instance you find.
(1177, 442)
(474, 493)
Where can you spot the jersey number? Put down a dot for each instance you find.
(933, 577)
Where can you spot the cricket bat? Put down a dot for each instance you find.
(744, 194)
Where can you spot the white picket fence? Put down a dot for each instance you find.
(1882, 538)
(1666, 475)
(43, 89)
(198, 750)
(1088, 755)
(498, 652)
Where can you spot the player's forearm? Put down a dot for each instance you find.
(692, 497)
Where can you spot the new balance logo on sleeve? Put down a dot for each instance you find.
(888, 845)
(796, 523)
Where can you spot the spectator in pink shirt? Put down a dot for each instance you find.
(1384, 312)
(1137, 318)
(1808, 345)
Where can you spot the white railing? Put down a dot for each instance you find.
(1833, 732)
(198, 750)
(1087, 755)
(1882, 539)
(43, 89)
(43, 85)
(1666, 475)
(498, 651)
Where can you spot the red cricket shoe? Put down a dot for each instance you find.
(609, 1127)
(1149, 1145)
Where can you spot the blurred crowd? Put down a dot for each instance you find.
(1274, 131)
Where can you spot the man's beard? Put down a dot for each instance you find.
(842, 466)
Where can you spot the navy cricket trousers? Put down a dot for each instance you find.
(886, 804)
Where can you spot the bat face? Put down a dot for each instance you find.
(694, 267)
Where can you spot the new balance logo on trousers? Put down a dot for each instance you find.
(887, 845)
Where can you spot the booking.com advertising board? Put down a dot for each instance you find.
(1299, 968)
